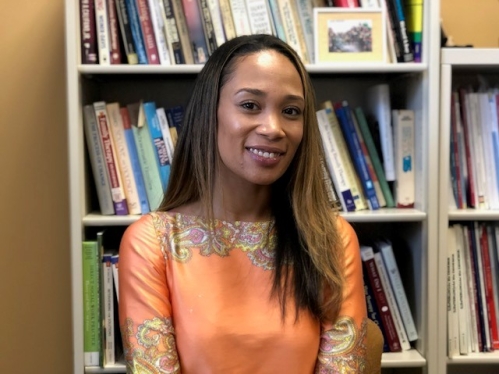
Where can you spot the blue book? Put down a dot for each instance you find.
(344, 113)
(134, 159)
(138, 41)
(158, 141)
(175, 117)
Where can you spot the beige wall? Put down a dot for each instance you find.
(471, 22)
(35, 314)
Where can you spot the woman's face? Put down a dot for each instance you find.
(260, 119)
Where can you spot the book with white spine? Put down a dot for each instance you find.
(259, 17)
(165, 130)
(290, 25)
(217, 21)
(159, 32)
(108, 309)
(240, 17)
(102, 28)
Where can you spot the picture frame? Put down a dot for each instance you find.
(349, 35)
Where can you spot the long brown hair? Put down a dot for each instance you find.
(308, 254)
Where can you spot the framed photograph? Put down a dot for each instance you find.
(349, 35)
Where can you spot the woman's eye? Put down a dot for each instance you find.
(249, 106)
(292, 111)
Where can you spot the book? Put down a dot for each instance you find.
(107, 292)
(471, 287)
(470, 188)
(147, 156)
(373, 153)
(91, 303)
(346, 3)
(158, 30)
(160, 148)
(227, 20)
(452, 314)
(183, 31)
(114, 37)
(117, 192)
(259, 16)
(277, 20)
(217, 21)
(334, 161)
(197, 37)
(367, 256)
(134, 160)
(414, 16)
(209, 32)
(102, 28)
(148, 34)
(397, 18)
(88, 33)
(386, 250)
(240, 17)
(403, 139)
(290, 23)
(353, 182)
(171, 32)
(117, 133)
(115, 260)
(343, 114)
(306, 23)
(126, 33)
(97, 161)
(136, 30)
(165, 131)
(378, 106)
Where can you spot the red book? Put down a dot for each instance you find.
(346, 3)
(88, 37)
(391, 335)
(114, 39)
(489, 290)
(147, 32)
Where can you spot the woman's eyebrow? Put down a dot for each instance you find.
(257, 92)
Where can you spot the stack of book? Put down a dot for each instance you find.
(362, 168)
(170, 32)
(472, 288)
(130, 149)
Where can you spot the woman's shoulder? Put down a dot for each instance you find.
(345, 229)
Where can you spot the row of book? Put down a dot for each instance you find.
(130, 149)
(474, 148)
(472, 288)
(359, 174)
(170, 32)
(101, 334)
(386, 299)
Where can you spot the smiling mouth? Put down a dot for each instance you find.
(264, 154)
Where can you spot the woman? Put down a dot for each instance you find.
(245, 268)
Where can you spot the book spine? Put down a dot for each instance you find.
(171, 31)
(216, 21)
(117, 133)
(197, 37)
(209, 31)
(342, 111)
(373, 153)
(227, 20)
(165, 131)
(403, 134)
(114, 39)
(277, 20)
(137, 37)
(147, 157)
(390, 299)
(97, 161)
(414, 14)
(461, 148)
(454, 160)
(472, 197)
(160, 148)
(102, 27)
(494, 271)
(473, 323)
(334, 161)
(476, 285)
(183, 31)
(259, 17)
(158, 29)
(117, 193)
(397, 16)
(346, 3)
(134, 159)
(147, 32)
(115, 260)
(398, 290)
(108, 298)
(367, 256)
(126, 33)
(290, 25)
(306, 18)
(462, 294)
(91, 304)
(453, 319)
(240, 17)
(88, 32)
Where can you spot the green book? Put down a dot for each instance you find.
(91, 303)
(371, 148)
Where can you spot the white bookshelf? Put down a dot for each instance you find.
(413, 86)
(458, 65)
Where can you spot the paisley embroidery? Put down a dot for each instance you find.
(343, 348)
(151, 349)
(180, 234)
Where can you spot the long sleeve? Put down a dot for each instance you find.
(144, 307)
(343, 347)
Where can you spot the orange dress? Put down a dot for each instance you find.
(190, 307)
